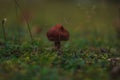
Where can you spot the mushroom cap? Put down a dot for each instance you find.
(58, 33)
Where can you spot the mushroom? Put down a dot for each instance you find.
(58, 33)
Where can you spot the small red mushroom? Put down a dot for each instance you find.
(58, 33)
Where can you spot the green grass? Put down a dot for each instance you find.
(84, 57)
(22, 62)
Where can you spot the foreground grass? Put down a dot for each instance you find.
(28, 62)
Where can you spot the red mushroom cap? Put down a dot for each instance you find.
(58, 33)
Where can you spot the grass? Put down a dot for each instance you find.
(85, 56)
(21, 62)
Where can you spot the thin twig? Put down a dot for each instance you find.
(17, 4)
(29, 31)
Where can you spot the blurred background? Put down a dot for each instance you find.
(86, 20)
(92, 52)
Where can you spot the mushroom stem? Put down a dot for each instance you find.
(57, 45)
